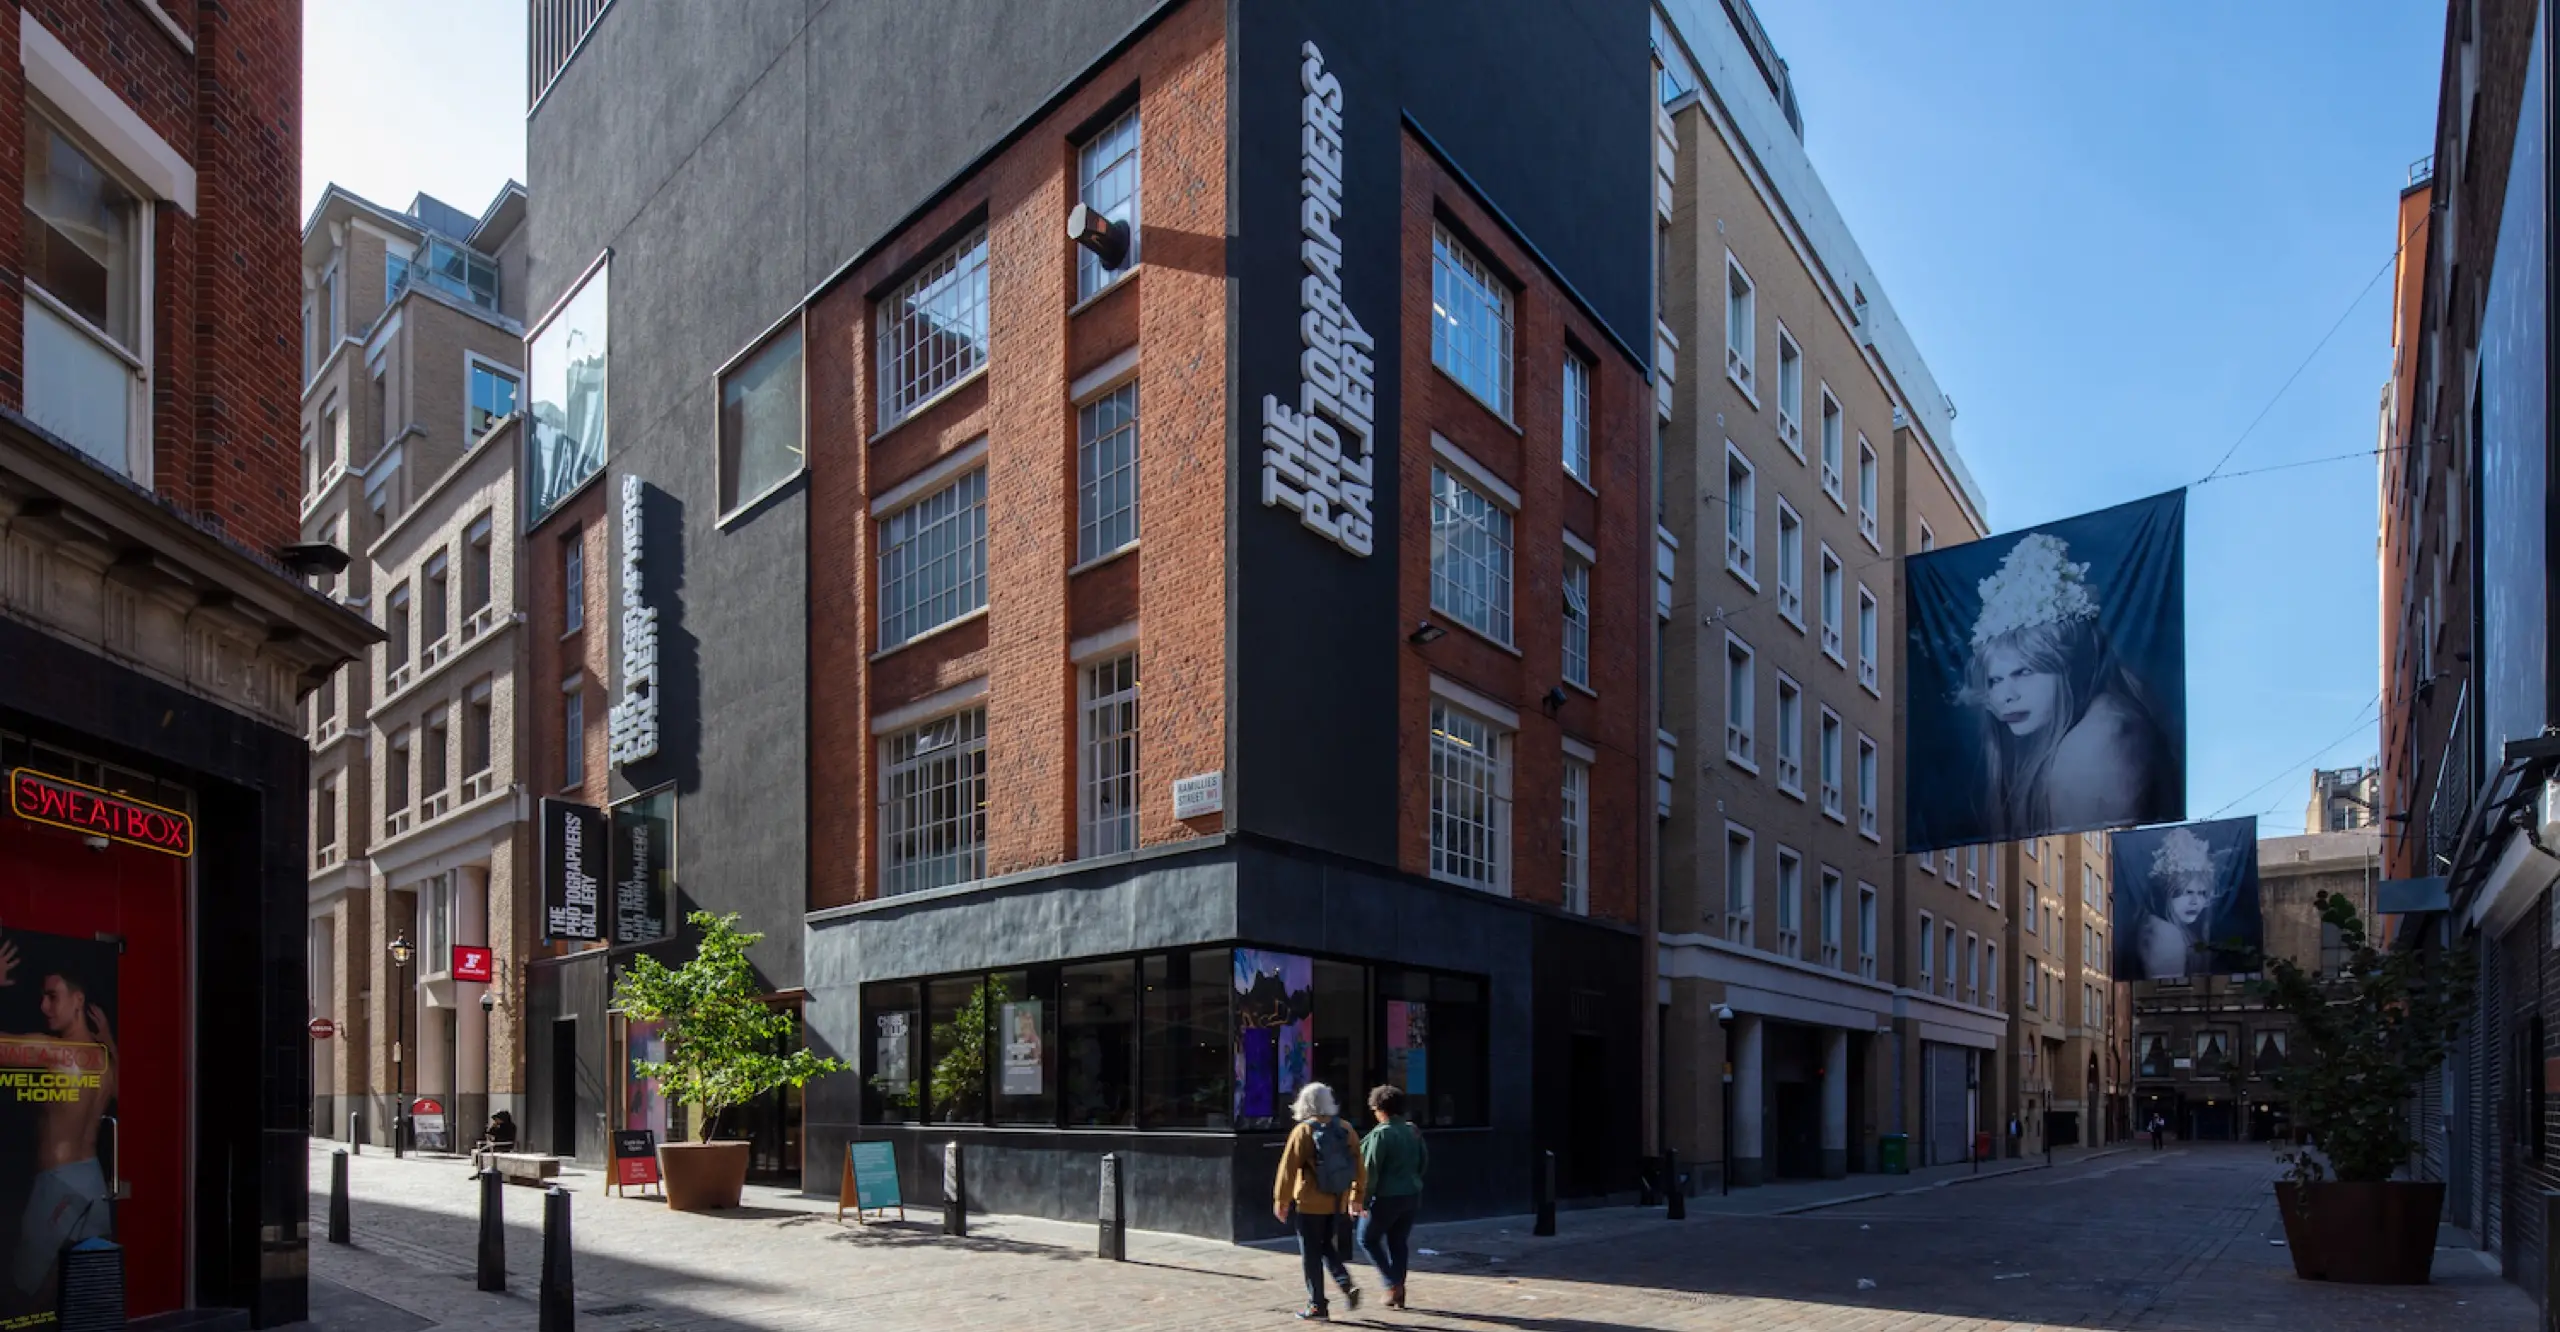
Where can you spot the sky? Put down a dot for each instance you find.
(2114, 231)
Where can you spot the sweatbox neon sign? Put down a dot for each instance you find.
(61, 803)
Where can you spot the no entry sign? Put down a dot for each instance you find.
(323, 1028)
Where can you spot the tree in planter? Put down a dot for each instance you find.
(721, 1036)
(2363, 1044)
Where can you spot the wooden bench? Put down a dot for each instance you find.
(523, 1167)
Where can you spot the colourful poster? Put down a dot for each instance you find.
(1408, 1036)
(58, 1078)
(642, 1106)
(1022, 1048)
(1275, 1033)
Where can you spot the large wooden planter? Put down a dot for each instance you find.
(703, 1176)
(2373, 1234)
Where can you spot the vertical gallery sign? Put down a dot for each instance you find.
(632, 726)
(643, 866)
(1317, 453)
(572, 838)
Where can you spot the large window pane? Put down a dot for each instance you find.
(933, 560)
(77, 234)
(1024, 1079)
(77, 388)
(892, 1024)
(933, 804)
(933, 330)
(1470, 321)
(1107, 172)
(1342, 1059)
(1275, 1034)
(1098, 1043)
(760, 421)
(1434, 1031)
(958, 1017)
(1185, 1060)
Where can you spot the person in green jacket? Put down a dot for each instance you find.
(1394, 1158)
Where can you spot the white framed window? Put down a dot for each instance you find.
(1575, 834)
(1470, 556)
(478, 728)
(325, 826)
(489, 399)
(1470, 799)
(1990, 974)
(1737, 884)
(763, 441)
(1928, 538)
(1110, 785)
(436, 616)
(1973, 870)
(1740, 528)
(1949, 978)
(1740, 741)
(1972, 968)
(1867, 788)
(1790, 564)
(1107, 182)
(85, 269)
(1831, 446)
(933, 560)
(435, 758)
(1867, 930)
(397, 647)
(397, 771)
(1790, 736)
(1868, 470)
(1790, 903)
(1577, 619)
(1107, 474)
(1830, 756)
(1741, 328)
(933, 804)
(1867, 639)
(1928, 862)
(573, 731)
(1831, 610)
(933, 329)
(1470, 321)
(1928, 951)
(1831, 887)
(1577, 417)
(2027, 982)
(2032, 913)
(1790, 393)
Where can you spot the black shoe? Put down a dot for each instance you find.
(1351, 1298)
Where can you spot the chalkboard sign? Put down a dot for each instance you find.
(870, 1181)
(635, 1158)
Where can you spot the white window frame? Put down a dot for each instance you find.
(1870, 481)
(1096, 526)
(1791, 531)
(1832, 578)
(1094, 171)
(1830, 739)
(1834, 887)
(2031, 914)
(1453, 486)
(1973, 871)
(958, 736)
(1870, 760)
(1741, 519)
(1928, 952)
(1991, 973)
(1834, 425)
(1578, 374)
(1456, 269)
(1738, 890)
(1928, 537)
(1870, 613)
(1790, 725)
(1576, 646)
(1867, 930)
(1575, 830)
(1453, 760)
(473, 362)
(86, 140)
(950, 289)
(1790, 903)
(2027, 992)
(912, 604)
(1108, 724)
(1790, 398)
(1929, 862)
(1972, 967)
(1949, 979)
(1742, 342)
(1741, 706)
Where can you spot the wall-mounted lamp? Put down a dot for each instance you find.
(1426, 632)
(488, 1002)
(1554, 701)
(1109, 240)
(310, 558)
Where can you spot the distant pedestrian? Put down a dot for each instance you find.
(1394, 1158)
(1321, 1181)
(2159, 1131)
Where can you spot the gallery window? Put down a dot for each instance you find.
(1107, 474)
(933, 804)
(762, 412)
(1470, 321)
(1577, 417)
(933, 329)
(1110, 783)
(1470, 556)
(1107, 182)
(1470, 799)
(933, 561)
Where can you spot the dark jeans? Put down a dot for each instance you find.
(1320, 1246)
(1387, 1234)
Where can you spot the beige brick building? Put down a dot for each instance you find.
(413, 353)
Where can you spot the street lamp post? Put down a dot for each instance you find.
(1724, 1170)
(401, 952)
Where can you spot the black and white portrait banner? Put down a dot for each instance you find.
(2186, 900)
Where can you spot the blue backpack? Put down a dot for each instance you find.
(1336, 1167)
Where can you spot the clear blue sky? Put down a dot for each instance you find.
(2114, 231)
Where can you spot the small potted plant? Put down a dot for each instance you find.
(722, 1043)
(2364, 1041)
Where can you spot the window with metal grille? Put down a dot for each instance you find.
(933, 804)
(933, 560)
(1470, 557)
(1577, 417)
(1470, 322)
(1577, 621)
(933, 329)
(1470, 799)
(1107, 474)
(1576, 836)
(1107, 173)
(1111, 756)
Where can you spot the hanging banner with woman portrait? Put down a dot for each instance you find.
(2046, 681)
(2186, 900)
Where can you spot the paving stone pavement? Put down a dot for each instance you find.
(2176, 1241)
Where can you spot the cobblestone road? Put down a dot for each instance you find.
(2170, 1241)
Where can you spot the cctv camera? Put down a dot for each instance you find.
(1724, 1012)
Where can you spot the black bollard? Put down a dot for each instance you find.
(1544, 1186)
(493, 1231)
(955, 1192)
(355, 1131)
(338, 1197)
(1115, 1212)
(559, 1289)
(1679, 1208)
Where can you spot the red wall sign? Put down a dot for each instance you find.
(39, 798)
(323, 1028)
(471, 963)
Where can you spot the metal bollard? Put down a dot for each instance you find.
(559, 1289)
(955, 1192)
(338, 1197)
(1679, 1208)
(1115, 1212)
(493, 1231)
(355, 1131)
(1543, 1185)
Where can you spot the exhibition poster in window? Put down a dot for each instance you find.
(1275, 1032)
(1408, 1041)
(1022, 1055)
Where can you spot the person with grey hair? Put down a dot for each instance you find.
(1322, 1181)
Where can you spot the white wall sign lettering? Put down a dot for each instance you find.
(1203, 794)
(633, 725)
(1317, 454)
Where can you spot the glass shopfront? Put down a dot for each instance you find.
(1201, 1039)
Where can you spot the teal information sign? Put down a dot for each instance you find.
(870, 1179)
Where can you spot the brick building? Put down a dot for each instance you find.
(155, 643)
(1031, 637)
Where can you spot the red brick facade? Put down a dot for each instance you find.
(225, 295)
(1614, 517)
(553, 653)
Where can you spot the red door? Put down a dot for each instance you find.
(93, 1063)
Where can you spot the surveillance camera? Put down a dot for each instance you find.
(1724, 1012)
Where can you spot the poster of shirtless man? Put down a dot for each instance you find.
(58, 1072)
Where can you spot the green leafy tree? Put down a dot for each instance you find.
(960, 1075)
(2364, 1041)
(723, 1042)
